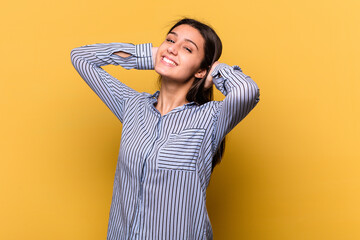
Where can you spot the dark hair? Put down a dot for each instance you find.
(197, 93)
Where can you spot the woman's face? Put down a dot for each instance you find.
(179, 57)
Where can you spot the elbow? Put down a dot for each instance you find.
(249, 91)
(73, 54)
(247, 98)
(77, 56)
(254, 91)
(257, 95)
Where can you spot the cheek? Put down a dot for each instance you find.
(157, 57)
(160, 50)
(193, 64)
(158, 54)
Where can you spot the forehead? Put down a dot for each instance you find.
(189, 32)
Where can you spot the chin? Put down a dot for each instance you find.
(165, 76)
(161, 71)
(166, 72)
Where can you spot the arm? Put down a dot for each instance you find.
(88, 59)
(241, 95)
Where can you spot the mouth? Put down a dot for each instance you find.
(168, 61)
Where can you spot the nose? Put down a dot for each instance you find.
(172, 49)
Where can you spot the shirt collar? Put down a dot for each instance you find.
(154, 97)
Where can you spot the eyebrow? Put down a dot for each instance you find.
(186, 39)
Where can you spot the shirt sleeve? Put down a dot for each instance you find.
(241, 95)
(88, 59)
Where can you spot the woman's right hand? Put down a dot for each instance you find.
(154, 51)
(209, 80)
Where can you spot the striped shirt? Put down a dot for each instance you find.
(165, 162)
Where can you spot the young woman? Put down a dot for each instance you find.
(172, 139)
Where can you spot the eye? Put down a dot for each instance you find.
(169, 40)
(188, 49)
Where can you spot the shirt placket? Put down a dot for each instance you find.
(139, 212)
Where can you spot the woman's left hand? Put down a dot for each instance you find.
(208, 81)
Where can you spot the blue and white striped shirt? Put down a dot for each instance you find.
(164, 163)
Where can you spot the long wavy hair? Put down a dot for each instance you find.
(197, 92)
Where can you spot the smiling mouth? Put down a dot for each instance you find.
(165, 59)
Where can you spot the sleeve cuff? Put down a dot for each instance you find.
(222, 77)
(217, 70)
(141, 55)
(107, 55)
(144, 59)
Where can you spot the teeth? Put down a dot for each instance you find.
(169, 61)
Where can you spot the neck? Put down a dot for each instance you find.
(172, 96)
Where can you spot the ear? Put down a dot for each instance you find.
(201, 73)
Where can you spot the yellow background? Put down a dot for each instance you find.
(291, 167)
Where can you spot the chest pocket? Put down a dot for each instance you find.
(181, 150)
